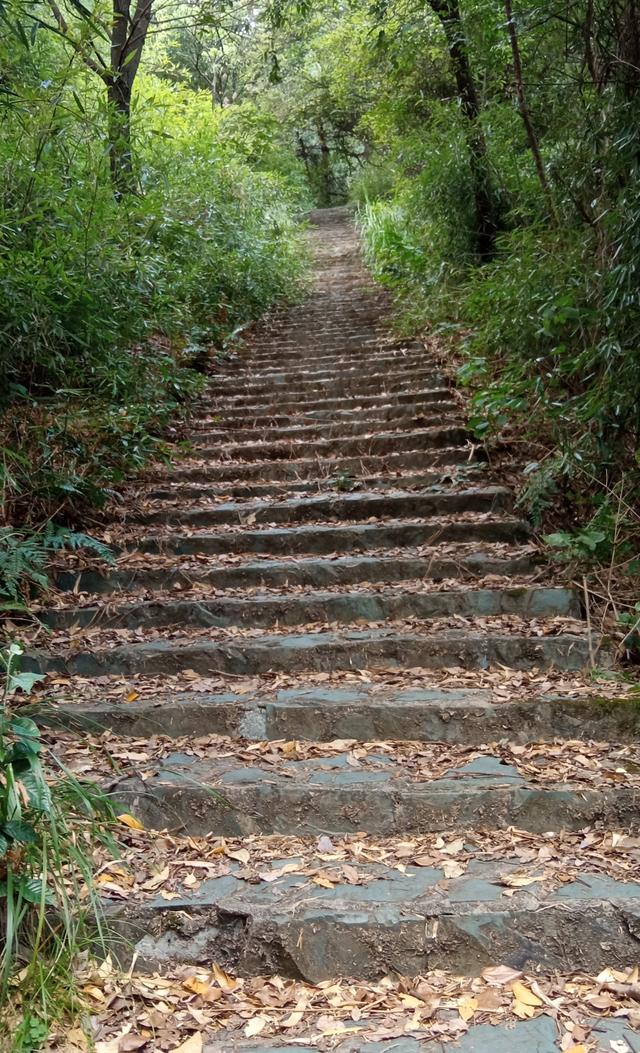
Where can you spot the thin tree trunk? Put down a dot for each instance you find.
(525, 112)
(128, 35)
(119, 132)
(448, 11)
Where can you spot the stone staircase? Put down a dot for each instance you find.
(332, 623)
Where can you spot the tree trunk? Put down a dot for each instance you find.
(128, 35)
(525, 113)
(448, 11)
(119, 130)
(326, 175)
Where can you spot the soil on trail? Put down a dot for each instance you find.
(331, 666)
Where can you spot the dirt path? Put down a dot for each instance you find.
(329, 636)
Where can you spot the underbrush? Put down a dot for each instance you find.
(545, 337)
(113, 309)
(49, 913)
(547, 342)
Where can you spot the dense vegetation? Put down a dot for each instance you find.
(124, 259)
(494, 152)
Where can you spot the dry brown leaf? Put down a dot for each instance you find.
(500, 975)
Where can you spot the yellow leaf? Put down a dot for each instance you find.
(323, 881)
(524, 995)
(581, 1048)
(132, 696)
(193, 1044)
(94, 992)
(255, 1026)
(467, 1007)
(196, 986)
(410, 1001)
(524, 1012)
(130, 821)
(227, 983)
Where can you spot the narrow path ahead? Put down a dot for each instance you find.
(328, 624)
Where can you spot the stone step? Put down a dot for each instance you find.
(347, 367)
(346, 608)
(332, 429)
(538, 1035)
(324, 650)
(336, 538)
(405, 481)
(358, 393)
(272, 573)
(222, 794)
(246, 385)
(442, 408)
(316, 468)
(402, 923)
(390, 442)
(360, 352)
(317, 714)
(284, 371)
(357, 506)
(284, 406)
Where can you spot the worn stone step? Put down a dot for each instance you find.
(221, 794)
(326, 371)
(443, 404)
(358, 351)
(345, 608)
(336, 506)
(324, 468)
(245, 387)
(418, 398)
(397, 481)
(318, 714)
(316, 651)
(341, 570)
(400, 923)
(337, 538)
(390, 442)
(539, 1035)
(361, 396)
(285, 371)
(330, 429)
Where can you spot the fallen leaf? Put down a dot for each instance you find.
(525, 1001)
(467, 1007)
(130, 821)
(255, 1026)
(242, 855)
(500, 975)
(226, 982)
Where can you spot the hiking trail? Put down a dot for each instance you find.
(330, 635)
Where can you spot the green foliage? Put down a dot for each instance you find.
(550, 326)
(48, 823)
(24, 556)
(113, 307)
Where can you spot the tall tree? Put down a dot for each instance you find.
(127, 33)
(448, 12)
